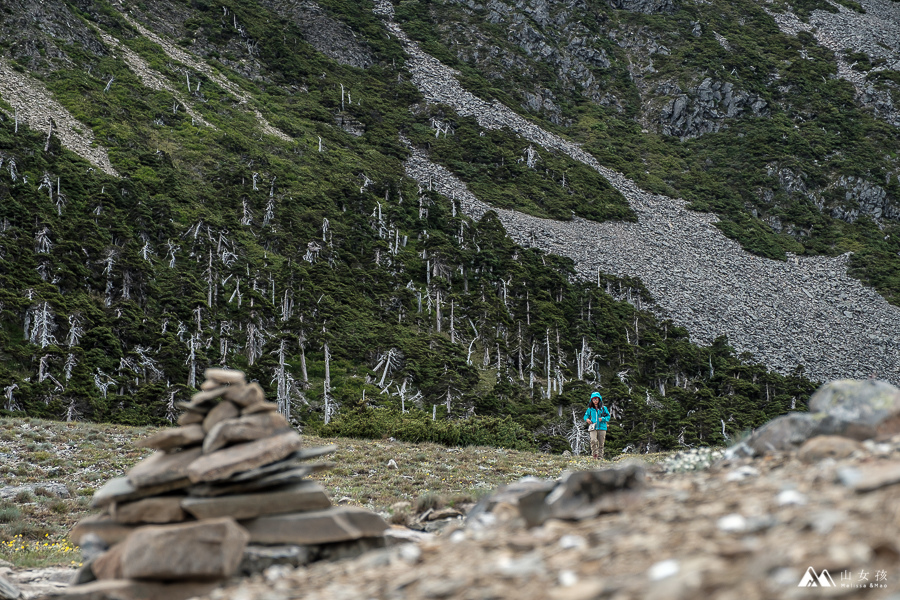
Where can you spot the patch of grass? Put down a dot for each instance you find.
(429, 475)
(429, 501)
(9, 513)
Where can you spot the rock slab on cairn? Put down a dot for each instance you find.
(232, 473)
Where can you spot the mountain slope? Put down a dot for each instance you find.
(262, 212)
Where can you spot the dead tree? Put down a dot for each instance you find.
(102, 385)
(388, 362)
(193, 345)
(11, 404)
(68, 366)
(49, 133)
(42, 326)
(284, 383)
(256, 339)
(330, 409)
(577, 436)
(42, 242)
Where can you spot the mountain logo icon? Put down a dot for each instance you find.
(810, 579)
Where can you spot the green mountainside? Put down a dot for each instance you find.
(260, 218)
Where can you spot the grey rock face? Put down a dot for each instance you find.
(8, 591)
(644, 6)
(705, 108)
(864, 198)
(48, 27)
(549, 33)
(325, 33)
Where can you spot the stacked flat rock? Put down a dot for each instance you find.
(232, 473)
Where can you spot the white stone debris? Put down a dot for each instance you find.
(875, 32)
(32, 103)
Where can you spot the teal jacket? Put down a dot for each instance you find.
(598, 417)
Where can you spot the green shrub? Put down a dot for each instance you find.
(417, 426)
(9, 513)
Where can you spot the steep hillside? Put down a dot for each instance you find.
(301, 190)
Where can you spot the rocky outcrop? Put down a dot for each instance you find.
(323, 32)
(704, 109)
(860, 197)
(37, 33)
(548, 33)
(648, 7)
(864, 198)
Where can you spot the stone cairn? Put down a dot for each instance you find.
(226, 492)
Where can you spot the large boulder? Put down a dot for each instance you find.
(865, 409)
(8, 591)
(787, 432)
(582, 495)
(859, 410)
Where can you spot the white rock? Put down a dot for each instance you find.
(567, 578)
(741, 473)
(788, 497)
(732, 523)
(663, 569)
(570, 542)
(410, 553)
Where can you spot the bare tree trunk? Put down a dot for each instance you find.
(327, 385)
(452, 324)
(49, 133)
(547, 362)
(438, 311)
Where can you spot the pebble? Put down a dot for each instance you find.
(733, 523)
(568, 542)
(663, 570)
(790, 497)
(742, 473)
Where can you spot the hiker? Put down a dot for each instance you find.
(597, 416)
